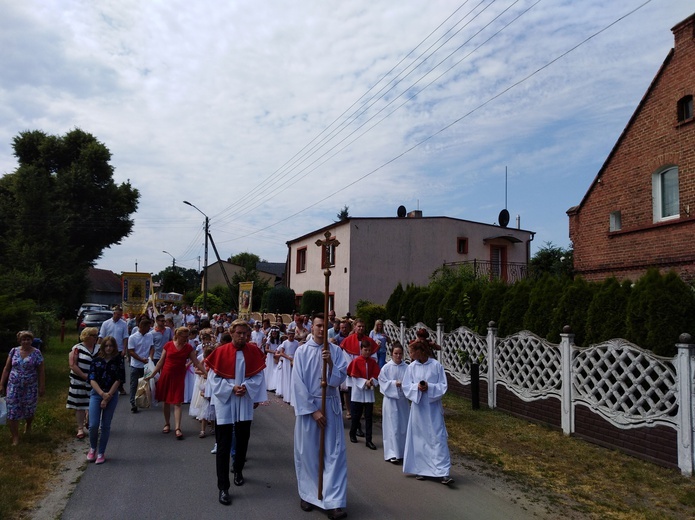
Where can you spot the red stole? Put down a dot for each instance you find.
(364, 368)
(222, 360)
(351, 344)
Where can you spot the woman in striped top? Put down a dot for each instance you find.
(80, 362)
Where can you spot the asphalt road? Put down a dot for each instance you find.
(152, 475)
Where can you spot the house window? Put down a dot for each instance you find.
(462, 246)
(616, 223)
(301, 260)
(665, 194)
(331, 256)
(685, 108)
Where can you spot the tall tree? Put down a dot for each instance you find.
(343, 214)
(58, 211)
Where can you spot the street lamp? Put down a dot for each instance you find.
(173, 260)
(205, 264)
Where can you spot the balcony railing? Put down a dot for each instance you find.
(509, 272)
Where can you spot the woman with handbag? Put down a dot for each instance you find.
(23, 380)
(106, 375)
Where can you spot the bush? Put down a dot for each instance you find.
(215, 304)
(543, 299)
(491, 303)
(572, 310)
(279, 300)
(606, 316)
(393, 304)
(312, 301)
(515, 304)
(42, 325)
(431, 309)
(370, 312)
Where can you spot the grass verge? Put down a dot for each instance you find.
(25, 470)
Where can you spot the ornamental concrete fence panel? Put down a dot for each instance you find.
(613, 393)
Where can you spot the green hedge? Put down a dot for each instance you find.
(652, 313)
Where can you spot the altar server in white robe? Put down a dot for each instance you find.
(237, 383)
(426, 448)
(306, 384)
(395, 407)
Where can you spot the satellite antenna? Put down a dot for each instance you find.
(503, 218)
(401, 211)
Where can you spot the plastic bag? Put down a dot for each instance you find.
(149, 368)
(3, 411)
(143, 396)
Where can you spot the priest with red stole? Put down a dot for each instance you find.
(237, 382)
(364, 373)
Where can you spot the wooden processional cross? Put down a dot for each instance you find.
(326, 245)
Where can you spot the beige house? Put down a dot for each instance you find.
(375, 254)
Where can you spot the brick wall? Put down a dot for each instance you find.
(652, 140)
(656, 444)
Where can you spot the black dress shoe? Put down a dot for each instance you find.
(134, 409)
(359, 432)
(225, 497)
(353, 438)
(306, 506)
(238, 479)
(371, 445)
(336, 514)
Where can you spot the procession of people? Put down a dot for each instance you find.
(238, 363)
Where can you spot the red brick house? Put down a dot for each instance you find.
(639, 212)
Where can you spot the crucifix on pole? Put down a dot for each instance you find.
(326, 244)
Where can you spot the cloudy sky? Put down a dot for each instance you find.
(270, 116)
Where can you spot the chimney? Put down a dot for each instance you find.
(684, 33)
(416, 213)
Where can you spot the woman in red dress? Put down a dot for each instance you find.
(170, 386)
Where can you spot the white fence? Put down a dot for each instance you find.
(624, 384)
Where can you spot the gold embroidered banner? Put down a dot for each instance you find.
(245, 299)
(137, 289)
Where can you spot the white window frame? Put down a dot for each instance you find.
(616, 221)
(661, 191)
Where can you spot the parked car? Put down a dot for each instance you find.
(87, 307)
(94, 319)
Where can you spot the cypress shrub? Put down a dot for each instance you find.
(606, 317)
(543, 299)
(411, 291)
(448, 306)
(416, 310)
(312, 301)
(279, 299)
(370, 312)
(491, 304)
(431, 310)
(514, 307)
(572, 310)
(394, 303)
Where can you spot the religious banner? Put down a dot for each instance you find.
(137, 289)
(245, 298)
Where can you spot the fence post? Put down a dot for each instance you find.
(567, 404)
(685, 371)
(491, 374)
(405, 345)
(440, 338)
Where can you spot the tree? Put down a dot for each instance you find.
(248, 261)
(180, 280)
(343, 214)
(249, 273)
(553, 260)
(58, 211)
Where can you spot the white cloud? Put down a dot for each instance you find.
(214, 102)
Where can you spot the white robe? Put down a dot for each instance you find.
(306, 385)
(289, 348)
(426, 448)
(270, 367)
(395, 410)
(230, 408)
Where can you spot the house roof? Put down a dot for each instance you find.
(495, 229)
(276, 268)
(103, 280)
(575, 209)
